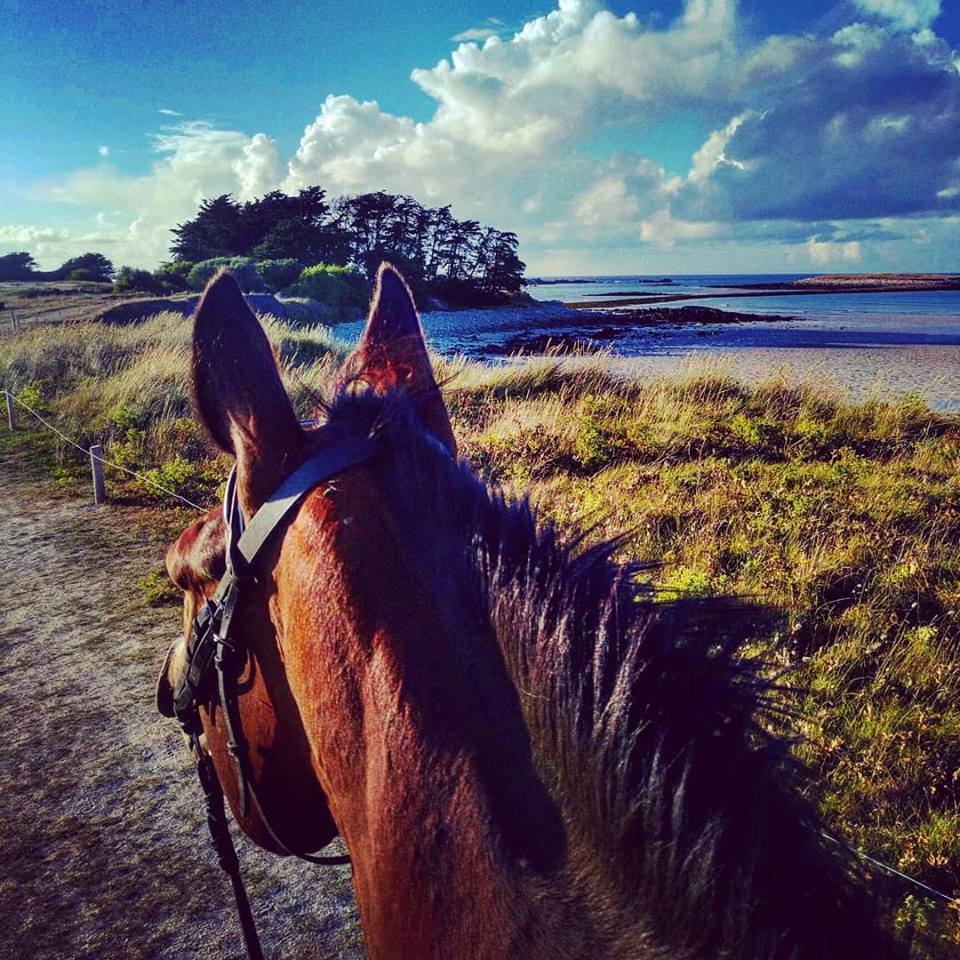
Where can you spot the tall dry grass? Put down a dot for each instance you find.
(844, 517)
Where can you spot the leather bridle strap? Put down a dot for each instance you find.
(213, 648)
(223, 845)
(254, 534)
(243, 546)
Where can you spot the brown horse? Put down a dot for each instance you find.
(524, 756)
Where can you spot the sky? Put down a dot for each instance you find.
(654, 136)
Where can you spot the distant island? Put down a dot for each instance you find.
(804, 286)
(865, 283)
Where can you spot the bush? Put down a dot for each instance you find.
(132, 278)
(343, 289)
(243, 269)
(278, 274)
(88, 266)
(172, 277)
(158, 589)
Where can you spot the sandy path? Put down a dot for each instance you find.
(103, 849)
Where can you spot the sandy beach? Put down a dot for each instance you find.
(860, 356)
(931, 373)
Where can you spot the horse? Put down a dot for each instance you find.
(525, 753)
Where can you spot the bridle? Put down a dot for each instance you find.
(216, 658)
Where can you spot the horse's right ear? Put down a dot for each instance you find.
(393, 353)
(238, 393)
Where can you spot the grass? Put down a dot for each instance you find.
(845, 517)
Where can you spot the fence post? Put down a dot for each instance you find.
(96, 466)
(14, 322)
(11, 410)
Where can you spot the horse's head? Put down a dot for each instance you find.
(239, 397)
(419, 654)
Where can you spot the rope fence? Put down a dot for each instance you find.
(893, 871)
(95, 453)
(97, 462)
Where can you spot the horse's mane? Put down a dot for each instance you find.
(642, 715)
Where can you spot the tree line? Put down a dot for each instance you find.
(281, 241)
(438, 253)
(88, 266)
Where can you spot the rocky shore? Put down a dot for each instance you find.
(594, 329)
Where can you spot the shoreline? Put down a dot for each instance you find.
(745, 292)
(595, 329)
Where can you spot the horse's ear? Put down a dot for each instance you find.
(393, 353)
(238, 393)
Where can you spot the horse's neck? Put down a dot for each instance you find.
(453, 859)
(429, 879)
(434, 878)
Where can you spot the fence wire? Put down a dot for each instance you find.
(116, 466)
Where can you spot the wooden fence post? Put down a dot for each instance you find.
(11, 410)
(14, 322)
(96, 466)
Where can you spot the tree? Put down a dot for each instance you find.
(436, 251)
(88, 266)
(129, 279)
(17, 266)
(216, 231)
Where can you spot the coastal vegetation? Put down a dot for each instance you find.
(93, 267)
(841, 521)
(284, 242)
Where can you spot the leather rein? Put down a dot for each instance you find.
(216, 658)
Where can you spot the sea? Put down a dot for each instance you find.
(864, 344)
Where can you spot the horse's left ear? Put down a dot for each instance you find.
(238, 393)
(393, 353)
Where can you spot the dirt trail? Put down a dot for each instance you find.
(103, 847)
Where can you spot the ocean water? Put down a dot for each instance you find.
(595, 291)
(899, 342)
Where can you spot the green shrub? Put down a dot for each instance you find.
(278, 274)
(133, 279)
(343, 289)
(158, 589)
(173, 276)
(179, 475)
(243, 269)
(34, 394)
(598, 442)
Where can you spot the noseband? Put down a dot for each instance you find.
(216, 657)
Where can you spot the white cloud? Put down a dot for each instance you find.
(824, 252)
(903, 14)
(103, 150)
(195, 160)
(13, 234)
(711, 155)
(857, 40)
(804, 128)
(474, 33)
(258, 167)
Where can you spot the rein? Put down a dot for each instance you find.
(215, 659)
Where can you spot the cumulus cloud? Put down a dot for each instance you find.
(103, 150)
(880, 137)
(903, 14)
(822, 253)
(257, 168)
(194, 160)
(799, 131)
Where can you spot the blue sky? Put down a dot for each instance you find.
(676, 136)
